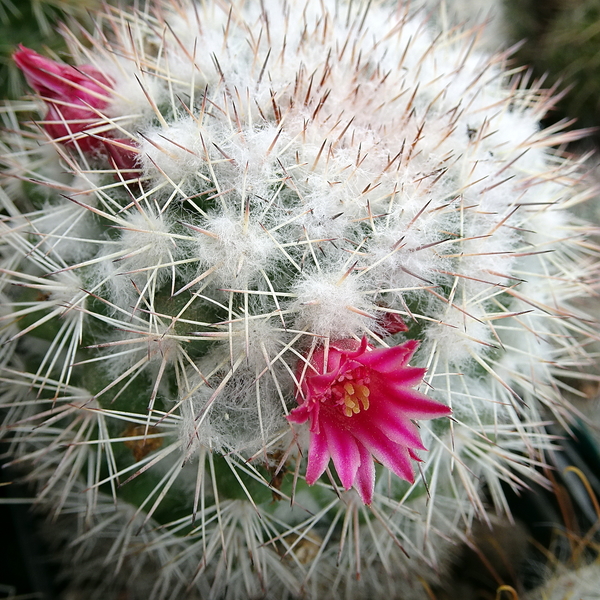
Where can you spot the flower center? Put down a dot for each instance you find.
(350, 391)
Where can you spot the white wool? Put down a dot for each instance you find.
(236, 250)
(489, 16)
(333, 304)
(67, 227)
(132, 86)
(459, 336)
(258, 341)
(251, 167)
(66, 289)
(581, 581)
(141, 260)
(241, 416)
(147, 244)
(149, 346)
(67, 232)
(176, 151)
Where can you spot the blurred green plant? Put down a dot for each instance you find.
(571, 53)
(32, 23)
(562, 45)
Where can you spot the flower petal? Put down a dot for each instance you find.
(379, 388)
(318, 457)
(392, 323)
(401, 377)
(414, 455)
(344, 452)
(349, 347)
(414, 405)
(398, 428)
(319, 384)
(392, 455)
(328, 362)
(125, 159)
(300, 414)
(388, 360)
(56, 81)
(74, 97)
(365, 476)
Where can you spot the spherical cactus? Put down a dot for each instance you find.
(286, 295)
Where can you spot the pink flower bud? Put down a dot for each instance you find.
(393, 323)
(123, 153)
(73, 96)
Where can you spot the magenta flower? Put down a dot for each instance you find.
(361, 405)
(73, 96)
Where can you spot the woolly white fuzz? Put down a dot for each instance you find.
(296, 173)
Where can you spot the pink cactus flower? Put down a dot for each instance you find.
(361, 405)
(73, 95)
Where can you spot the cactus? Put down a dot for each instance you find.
(581, 583)
(488, 19)
(253, 256)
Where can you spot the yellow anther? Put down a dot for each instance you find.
(363, 390)
(350, 401)
(363, 394)
(354, 397)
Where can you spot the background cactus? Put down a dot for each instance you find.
(216, 194)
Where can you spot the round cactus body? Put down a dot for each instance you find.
(285, 296)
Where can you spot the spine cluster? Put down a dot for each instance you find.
(239, 241)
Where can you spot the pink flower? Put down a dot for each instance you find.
(73, 95)
(361, 405)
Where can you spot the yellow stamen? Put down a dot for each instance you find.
(353, 398)
(363, 394)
